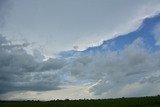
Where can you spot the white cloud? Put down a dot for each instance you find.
(116, 74)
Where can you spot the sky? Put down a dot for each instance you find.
(57, 25)
(58, 49)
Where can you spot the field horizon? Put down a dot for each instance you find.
(147, 101)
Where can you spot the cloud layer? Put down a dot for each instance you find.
(61, 25)
(134, 71)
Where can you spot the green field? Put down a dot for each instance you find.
(121, 102)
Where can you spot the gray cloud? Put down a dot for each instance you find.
(52, 64)
(4, 12)
(22, 71)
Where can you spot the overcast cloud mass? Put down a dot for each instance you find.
(33, 30)
(58, 25)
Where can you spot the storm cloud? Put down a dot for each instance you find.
(21, 71)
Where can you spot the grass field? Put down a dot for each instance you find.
(121, 102)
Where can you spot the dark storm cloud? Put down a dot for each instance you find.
(21, 71)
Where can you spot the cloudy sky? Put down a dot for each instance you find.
(57, 49)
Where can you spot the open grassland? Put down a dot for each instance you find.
(121, 102)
